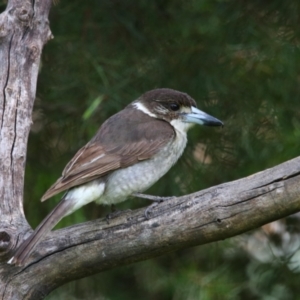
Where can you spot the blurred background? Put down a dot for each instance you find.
(240, 60)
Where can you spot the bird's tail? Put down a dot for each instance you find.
(61, 210)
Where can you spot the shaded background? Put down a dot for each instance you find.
(240, 61)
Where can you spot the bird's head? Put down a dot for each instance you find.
(177, 108)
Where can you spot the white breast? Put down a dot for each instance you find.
(139, 177)
(120, 184)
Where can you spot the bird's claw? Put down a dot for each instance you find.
(146, 213)
(115, 214)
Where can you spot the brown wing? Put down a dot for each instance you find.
(93, 161)
(113, 148)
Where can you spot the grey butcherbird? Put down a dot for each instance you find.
(128, 154)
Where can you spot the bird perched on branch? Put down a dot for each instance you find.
(129, 153)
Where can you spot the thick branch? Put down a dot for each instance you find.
(206, 216)
(24, 29)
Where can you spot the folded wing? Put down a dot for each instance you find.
(94, 161)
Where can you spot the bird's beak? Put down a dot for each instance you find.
(200, 117)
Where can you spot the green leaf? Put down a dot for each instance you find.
(91, 109)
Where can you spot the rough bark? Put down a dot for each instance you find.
(78, 251)
(24, 29)
(206, 216)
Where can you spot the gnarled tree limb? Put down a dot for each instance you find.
(24, 29)
(213, 214)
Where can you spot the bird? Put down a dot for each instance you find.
(131, 151)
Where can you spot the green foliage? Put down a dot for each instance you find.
(240, 60)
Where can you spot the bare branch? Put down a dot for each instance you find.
(213, 214)
(24, 29)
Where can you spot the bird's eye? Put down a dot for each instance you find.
(174, 106)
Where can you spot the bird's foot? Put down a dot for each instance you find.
(115, 213)
(156, 199)
(152, 197)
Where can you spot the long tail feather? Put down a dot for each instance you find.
(25, 249)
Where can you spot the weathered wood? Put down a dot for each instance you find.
(24, 29)
(206, 216)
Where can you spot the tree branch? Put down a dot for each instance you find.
(24, 29)
(213, 214)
